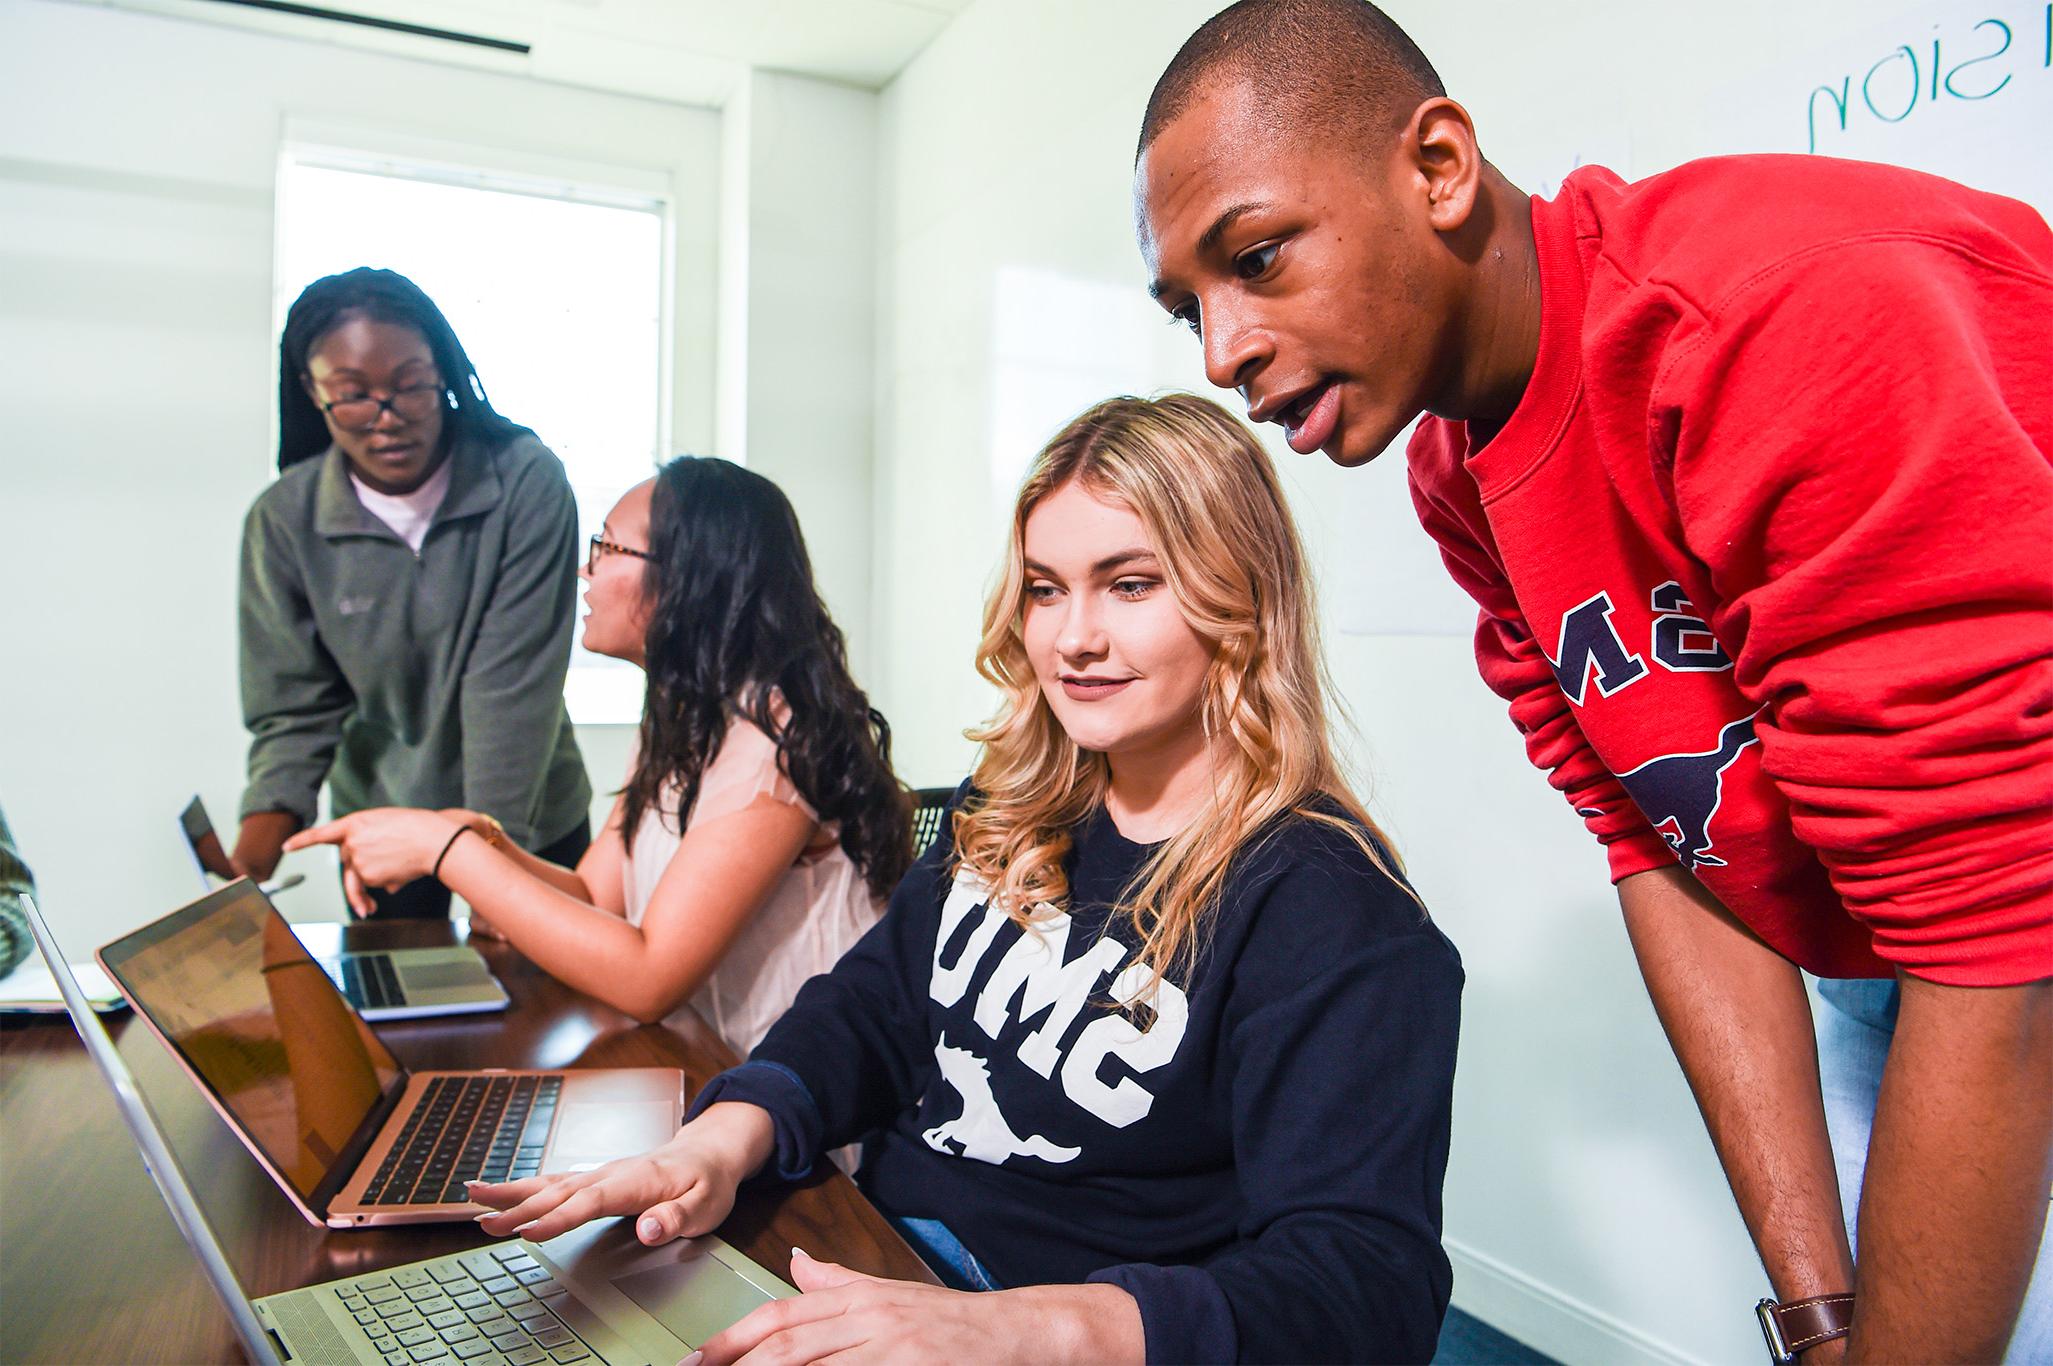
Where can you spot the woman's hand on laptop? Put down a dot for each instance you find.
(385, 847)
(680, 1190)
(844, 1315)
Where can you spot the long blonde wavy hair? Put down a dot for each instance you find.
(1214, 513)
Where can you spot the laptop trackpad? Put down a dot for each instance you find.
(694, 1299)
(442, 976)
(587, 1135)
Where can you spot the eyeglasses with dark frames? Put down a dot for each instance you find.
(414, 403)
(601, 548)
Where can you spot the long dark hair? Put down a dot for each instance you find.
(383, 296)
(735, 615)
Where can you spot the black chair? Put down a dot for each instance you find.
(928, 805)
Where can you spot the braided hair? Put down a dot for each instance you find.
(383, 296)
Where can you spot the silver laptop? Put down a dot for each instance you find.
(386, 984)
(593, 1294)
(349, 1135)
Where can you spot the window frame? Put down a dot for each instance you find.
(322, 145)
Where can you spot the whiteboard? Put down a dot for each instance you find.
(1958, 88)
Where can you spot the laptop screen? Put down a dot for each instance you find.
(255, 1017)
(204, 843)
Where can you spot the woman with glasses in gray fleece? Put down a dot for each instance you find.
(407, 593)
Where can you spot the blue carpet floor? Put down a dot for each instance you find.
(1466, 1341)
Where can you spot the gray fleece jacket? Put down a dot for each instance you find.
(432, 679)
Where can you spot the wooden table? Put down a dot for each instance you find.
(93, 1270)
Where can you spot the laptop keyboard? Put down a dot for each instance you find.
(368, 980)
(490, 1306)
(467, 1129)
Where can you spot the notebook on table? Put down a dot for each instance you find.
(31, 989)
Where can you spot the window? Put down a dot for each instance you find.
(559, 293)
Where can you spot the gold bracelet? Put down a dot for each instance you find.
(494, 833)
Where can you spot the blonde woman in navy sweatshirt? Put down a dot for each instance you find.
(1159, 1043)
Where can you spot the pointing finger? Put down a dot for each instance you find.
(331, 833)
(353, 889)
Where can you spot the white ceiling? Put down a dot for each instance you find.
(680, 49)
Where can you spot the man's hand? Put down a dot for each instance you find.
(848, 1317)
(1958, 1172)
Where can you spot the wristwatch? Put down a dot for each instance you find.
(1790, 1328)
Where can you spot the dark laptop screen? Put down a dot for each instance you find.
(228, 984)
(204, 843)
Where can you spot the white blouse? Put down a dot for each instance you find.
(817, 910)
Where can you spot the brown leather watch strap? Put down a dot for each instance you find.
(1790, 1328)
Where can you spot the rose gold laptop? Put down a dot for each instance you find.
(349, 1135)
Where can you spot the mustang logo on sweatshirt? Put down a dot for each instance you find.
(981, 1128)
(1680, 793)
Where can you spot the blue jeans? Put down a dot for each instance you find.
(940, 1249)
(1854, 1031)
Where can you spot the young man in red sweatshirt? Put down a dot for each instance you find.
(1747, 465)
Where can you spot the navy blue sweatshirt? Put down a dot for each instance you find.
(1255, 1153)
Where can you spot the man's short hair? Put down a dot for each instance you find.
(1335, 68)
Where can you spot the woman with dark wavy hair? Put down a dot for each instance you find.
(760, 828)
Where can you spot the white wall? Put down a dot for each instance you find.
(1585, 1208)
(137, 158)
(798, 315)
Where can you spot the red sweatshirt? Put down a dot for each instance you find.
(1765, 553)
